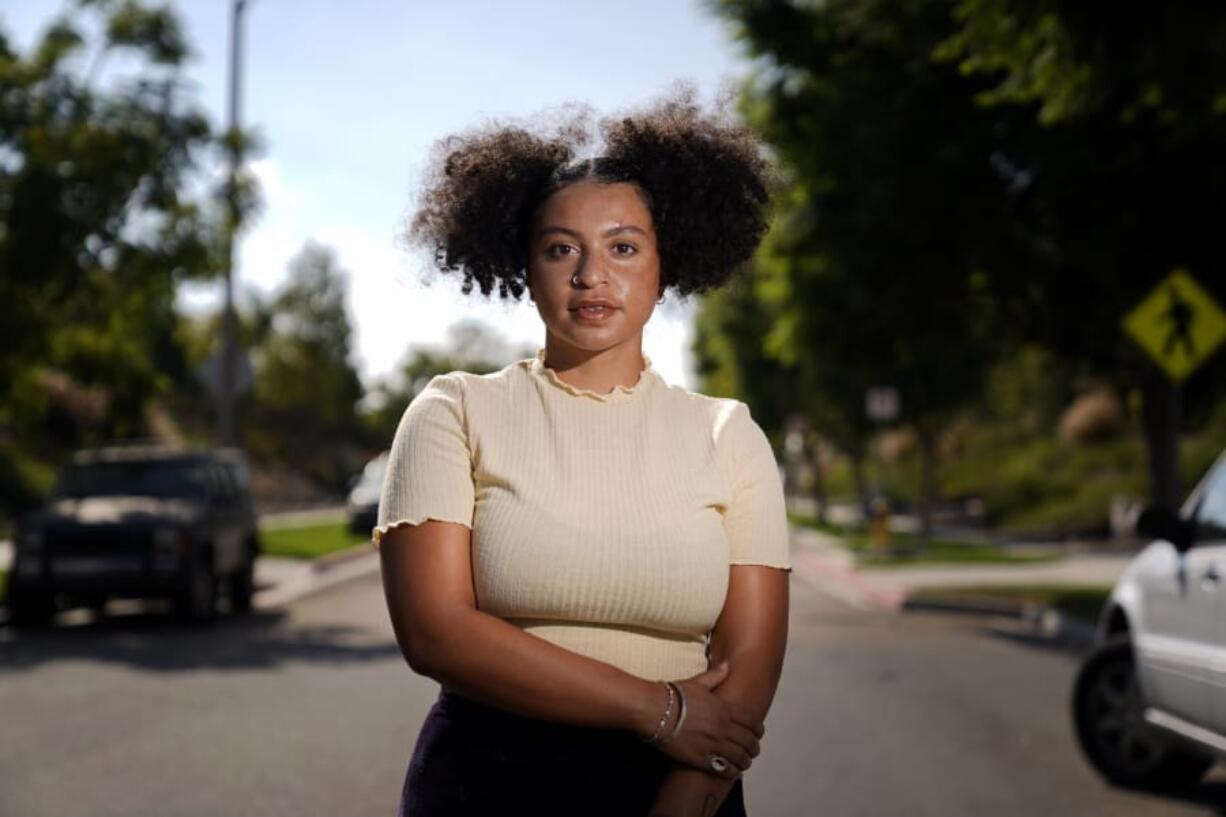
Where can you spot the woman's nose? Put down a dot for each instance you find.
(589, 272)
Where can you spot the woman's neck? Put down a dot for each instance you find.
(599, 371)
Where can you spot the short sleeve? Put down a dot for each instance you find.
(755, 519)
(429, 470)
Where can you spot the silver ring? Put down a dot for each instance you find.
(719, 764)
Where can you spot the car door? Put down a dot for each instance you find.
(1177, 645)
(1211, 541)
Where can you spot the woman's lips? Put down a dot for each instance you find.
(594, 313)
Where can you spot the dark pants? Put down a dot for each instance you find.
(473, 759)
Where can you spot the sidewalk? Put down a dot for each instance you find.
(822, 560)
(279, 581)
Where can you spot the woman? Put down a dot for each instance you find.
(591, 562)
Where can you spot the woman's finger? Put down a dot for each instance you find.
(745, 739)
(746, 719)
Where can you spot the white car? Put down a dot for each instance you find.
(362, 505)
(1149, 704)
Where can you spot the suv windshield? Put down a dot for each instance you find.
(165, 479)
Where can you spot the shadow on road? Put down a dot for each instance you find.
(1026, 635)
(154, 640)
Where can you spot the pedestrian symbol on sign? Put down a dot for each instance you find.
(1178, 324)
(1179, 314)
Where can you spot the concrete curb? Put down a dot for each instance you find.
(320, 574)
(1048, 623)
(824, 572)
(839, 576)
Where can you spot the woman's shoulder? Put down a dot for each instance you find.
(719, 414)
(461, 383)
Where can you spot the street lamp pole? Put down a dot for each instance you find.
(227, 396)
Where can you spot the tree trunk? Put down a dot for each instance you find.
(1160, 418)
(928, 482)
(857, 476)
(819, 483)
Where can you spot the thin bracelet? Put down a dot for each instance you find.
(668, 711)
(681, 716)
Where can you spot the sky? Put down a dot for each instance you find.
(349, 97)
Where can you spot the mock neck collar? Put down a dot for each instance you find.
(647, 376)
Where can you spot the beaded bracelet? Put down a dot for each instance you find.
(668, 711)
(680, 716)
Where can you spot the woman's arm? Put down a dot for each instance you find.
(751, 635)
(428, 585)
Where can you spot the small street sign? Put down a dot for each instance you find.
(209, 372)
(1178, 324)
(881, 404)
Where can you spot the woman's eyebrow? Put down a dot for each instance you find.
(625, 228)
(621, 228)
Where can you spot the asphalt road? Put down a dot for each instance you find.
(310, 710)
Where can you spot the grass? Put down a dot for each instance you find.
(906, 548)
(309, 541)
(1079, 601)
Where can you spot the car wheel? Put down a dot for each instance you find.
(242, 586)
(197, 598)
(1108, 713)
(30, 608)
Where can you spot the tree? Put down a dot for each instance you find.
(304, 401)
(95, 227)
(1124, 181)
(876, 263)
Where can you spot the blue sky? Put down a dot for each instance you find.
(349, 97)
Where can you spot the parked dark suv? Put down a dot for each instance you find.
(138, 522)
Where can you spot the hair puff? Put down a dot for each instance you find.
(704, 174)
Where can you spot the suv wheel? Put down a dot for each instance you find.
(242, 586)
(30, 608)
(1108, 713)
(197, 598)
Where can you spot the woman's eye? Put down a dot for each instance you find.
(622, 248)
(557, 250)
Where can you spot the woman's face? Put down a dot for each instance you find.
(594, 243)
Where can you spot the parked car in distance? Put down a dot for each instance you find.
(138, 522)
(362, 507)
(1149, 704)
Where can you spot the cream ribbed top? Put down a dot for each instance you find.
(604, 523)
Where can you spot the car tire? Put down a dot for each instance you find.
(30, 608)
(1120, 744)
(196, 601)
(242, 586)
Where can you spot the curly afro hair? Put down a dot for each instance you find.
(704, 177)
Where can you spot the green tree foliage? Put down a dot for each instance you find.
(1125, 182)
(303, 406)
(875, 268)
(95, 227)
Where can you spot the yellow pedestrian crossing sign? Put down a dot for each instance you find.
(1178, 324)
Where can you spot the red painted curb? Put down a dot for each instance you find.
(886, 597)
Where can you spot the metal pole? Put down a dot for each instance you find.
(227, 400)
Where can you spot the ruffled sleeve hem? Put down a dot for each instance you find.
(378, 532)
(786, 567)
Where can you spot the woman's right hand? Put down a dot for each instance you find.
(712, 726)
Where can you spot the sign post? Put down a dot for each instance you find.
(1180, 326)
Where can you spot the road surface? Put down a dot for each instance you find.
(310, 710)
